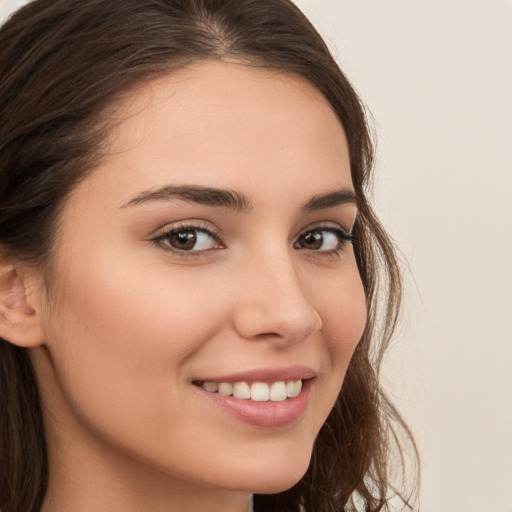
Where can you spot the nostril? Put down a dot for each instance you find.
(275, 325)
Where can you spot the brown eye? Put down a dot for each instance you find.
(311, 240)
(183, 240)
(188, 239)
(323, 240)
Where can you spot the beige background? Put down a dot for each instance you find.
(437, 76)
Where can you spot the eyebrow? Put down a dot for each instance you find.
(232, 199)
(195, 194)
(334, 198)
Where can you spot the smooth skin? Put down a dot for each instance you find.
(135, 316)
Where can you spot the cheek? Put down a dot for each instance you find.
(342, 307)
(344, 319)
(122, 345)
(137, 307)
(124, 338)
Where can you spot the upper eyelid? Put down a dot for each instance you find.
(198, 225)
(345, 234)
(327, 225)
(158, 239)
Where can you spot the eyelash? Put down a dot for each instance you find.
(343, 237)
(160, 239)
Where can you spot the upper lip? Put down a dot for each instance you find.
(297, 372)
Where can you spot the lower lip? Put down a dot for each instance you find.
(263, 414)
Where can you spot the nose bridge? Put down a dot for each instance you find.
(274, 303)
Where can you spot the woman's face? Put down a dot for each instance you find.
(210, 249)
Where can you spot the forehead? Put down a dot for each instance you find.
(223, 89)
(227, 125)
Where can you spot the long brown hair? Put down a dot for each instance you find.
(62, 62)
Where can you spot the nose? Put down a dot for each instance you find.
(272, 303)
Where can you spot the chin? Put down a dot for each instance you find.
(274, 476)
(278, 485)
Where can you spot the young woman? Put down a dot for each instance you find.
(189, 264)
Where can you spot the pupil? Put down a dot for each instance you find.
(313, 240)
(185, 239)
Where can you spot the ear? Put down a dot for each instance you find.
(20, 306)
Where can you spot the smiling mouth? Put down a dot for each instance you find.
(278, 391)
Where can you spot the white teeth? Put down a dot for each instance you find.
(258, 391)
(241, 390)
(210, 386)
(225, 388)
(278, 392)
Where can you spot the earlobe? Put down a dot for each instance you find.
(20, 322)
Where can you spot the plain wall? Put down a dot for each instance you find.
(437, 77)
